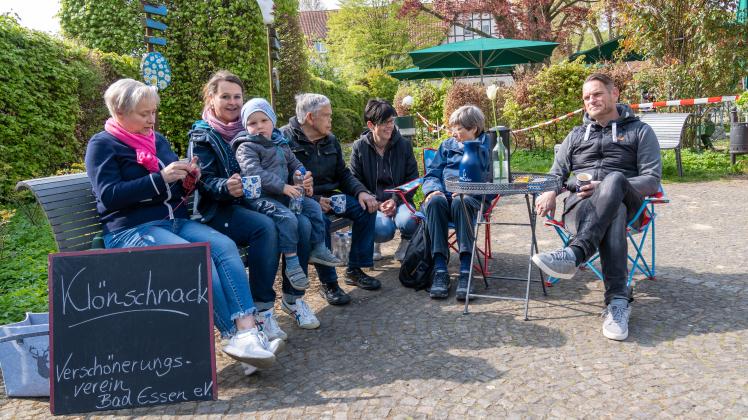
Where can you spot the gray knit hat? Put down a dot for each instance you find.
(258, 104)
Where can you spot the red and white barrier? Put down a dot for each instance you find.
(429, 125)
(549, 122)
(658, 104)
(687, 102)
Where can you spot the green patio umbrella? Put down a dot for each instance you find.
(416, 73)
(482, 53)
(604, 52)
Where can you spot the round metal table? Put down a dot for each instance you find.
(528, 184)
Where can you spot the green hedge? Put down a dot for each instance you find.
(202, 37)
(347, 106)
(50, 101)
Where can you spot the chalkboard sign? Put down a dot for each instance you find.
(130, 327)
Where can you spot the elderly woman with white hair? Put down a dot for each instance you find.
(440, 207)
(141, 187)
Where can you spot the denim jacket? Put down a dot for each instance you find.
(446, 164)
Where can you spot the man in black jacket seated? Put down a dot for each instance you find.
(318, 149)
(382, 159)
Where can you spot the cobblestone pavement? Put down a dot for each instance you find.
(395, 353)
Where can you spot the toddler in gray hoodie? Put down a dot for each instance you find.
(262, 150)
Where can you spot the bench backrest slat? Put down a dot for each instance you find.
(70, 207)
(668, 127)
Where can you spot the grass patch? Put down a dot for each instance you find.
(698, 165)
(25, 241)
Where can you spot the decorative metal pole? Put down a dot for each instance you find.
(270, 66)
(266, 7)
(154, 67)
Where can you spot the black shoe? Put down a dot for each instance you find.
(356, 277)
(334, 294)
(462, 286)
(440, 285)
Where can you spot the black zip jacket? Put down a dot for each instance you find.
(217, 164)
(398, 159)
(325, 160)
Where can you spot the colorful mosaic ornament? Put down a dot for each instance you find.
(155, 70)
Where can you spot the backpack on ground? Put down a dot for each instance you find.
(417, 266)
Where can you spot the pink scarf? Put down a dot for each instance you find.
(227, 131)
(144, 144)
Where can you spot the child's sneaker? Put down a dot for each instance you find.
(250, 346)
(302, 313)
(321, 255)
(267, 323)
(296, 277)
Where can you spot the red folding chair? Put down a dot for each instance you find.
(427, 157)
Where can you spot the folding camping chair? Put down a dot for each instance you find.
(646, 215)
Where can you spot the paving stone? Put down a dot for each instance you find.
(397, 354)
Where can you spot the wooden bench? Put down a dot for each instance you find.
(669, 128)
(70, 207)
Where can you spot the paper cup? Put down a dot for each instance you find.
(583, 179)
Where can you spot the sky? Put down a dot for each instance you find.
(34, 14)
(40, 14)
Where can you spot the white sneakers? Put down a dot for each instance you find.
(302, 313)
(256, 348)
(267, 323)
(616, 320)
(252, 346)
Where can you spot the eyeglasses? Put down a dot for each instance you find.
(388, 123)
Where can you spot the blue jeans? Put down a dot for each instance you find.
(404, 221)
(231, 296)
(303, 250)
(254, 230)
(286, 221)
(362, 245)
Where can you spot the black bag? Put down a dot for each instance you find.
(417, 266)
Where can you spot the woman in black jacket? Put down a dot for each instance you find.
(221, 202)
(382, 159)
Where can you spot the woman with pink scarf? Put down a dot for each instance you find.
(141, 190)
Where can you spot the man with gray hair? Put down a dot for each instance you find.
(313, 143)
(620, 156)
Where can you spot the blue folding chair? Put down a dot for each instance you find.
(647, 216)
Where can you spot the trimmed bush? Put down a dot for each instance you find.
(553, 91)
(347, 106)
(467, 94)
(203, 36)
(380, 84)
(50, 101)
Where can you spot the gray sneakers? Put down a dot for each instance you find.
(616, 322)
(321, 255)
(560, 263)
